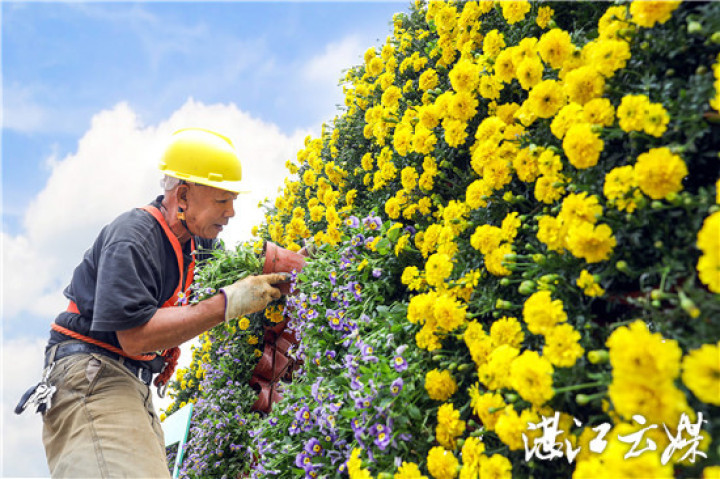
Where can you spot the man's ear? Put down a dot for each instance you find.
(181, 194)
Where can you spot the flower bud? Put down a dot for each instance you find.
(582, 399)
(715, 37)
(598, 356)
(622, 266)
(527, 287)
(511, 397)
(694, 27)
(539, 258)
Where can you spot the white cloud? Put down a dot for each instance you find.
(113, 169)
(321, 74)
(328, 66)
(22, 450)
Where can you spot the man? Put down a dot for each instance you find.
(125, 301)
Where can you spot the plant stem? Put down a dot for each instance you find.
(576, 387)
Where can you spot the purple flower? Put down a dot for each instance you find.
(357, 427)
(333, 277)
(355, 384)
(363, 402)
(367, 353)
(377, 272)
(313, 447)
(357, 240)
(382, 435)
(352, 222)
(303, 460)
(373, 223)
(303, 415)
(396, 386)
(314, 299)
(400, 364)
(330, 355)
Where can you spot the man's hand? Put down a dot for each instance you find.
(251, 294)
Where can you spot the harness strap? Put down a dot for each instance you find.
(171, 355)
(96, 342)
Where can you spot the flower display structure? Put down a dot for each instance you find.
(517, 219)
(217, 379)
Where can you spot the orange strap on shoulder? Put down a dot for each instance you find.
(182, 288)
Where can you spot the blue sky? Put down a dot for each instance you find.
(62, 63)
(90, 92)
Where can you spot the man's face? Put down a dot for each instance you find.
(207, 209)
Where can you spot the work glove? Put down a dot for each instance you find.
(251, 294)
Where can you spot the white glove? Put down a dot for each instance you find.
(251, 294)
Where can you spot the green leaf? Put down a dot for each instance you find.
(384, 246)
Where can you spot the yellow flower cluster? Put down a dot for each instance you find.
(645, 366)
(575, 229)
(440, 385)
(449, 426)
(708, 240)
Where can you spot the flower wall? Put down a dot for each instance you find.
(518, 270)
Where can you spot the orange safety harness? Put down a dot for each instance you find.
(171, 355)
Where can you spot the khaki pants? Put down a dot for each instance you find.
(102, 422)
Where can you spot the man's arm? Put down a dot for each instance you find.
(172, 326)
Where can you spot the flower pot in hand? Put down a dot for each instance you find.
(281, 260)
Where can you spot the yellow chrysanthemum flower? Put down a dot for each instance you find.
(632, 112)
(569, 115)
(599, 111)
(592, 243)
(510, 427)
(541, 313)
(440, 385)
(647, 13)
(531, 376)
(708, 241)
(493, 42)
(621, 189)
(660, 172)
(546, 98)
(555, 47)
(464, 76)
(701, 373)
(584, 84)
(449, 426)
(495, 373)
(496, 466)
(579, 207)
(587, 283)
(582, 146)
(562, 346)
(486, 406)
(449, 313)
(408, 470)
(441, 463)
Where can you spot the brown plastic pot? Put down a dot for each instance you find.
(267, 395)
(281, 260)
(270, 368)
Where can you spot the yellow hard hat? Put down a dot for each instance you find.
(202, 156)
